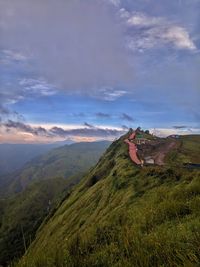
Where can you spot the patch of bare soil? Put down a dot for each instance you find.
(163, 150)
(157, 150)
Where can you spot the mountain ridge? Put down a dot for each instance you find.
(123, 215)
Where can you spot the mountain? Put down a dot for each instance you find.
(65, 162)
(121, 214)
(14, 156)
(38, 192)
(22, 214)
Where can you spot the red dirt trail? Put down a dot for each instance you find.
(132, 149)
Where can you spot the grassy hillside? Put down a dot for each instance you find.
(187, 151)
(122, 215)
(21, 215)
(64, 162)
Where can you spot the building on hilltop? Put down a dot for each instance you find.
(140, 139)
(149, 160)
(176, 136)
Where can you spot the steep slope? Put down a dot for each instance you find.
(21, 215)
(64, 162)
(124, 215)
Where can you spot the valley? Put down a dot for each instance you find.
(32, 194)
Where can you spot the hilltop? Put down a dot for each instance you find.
(123, 215)
(173, 150)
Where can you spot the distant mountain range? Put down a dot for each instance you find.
(14, 156)
(63, 162)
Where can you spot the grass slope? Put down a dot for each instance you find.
(187, 151)
(121, 215)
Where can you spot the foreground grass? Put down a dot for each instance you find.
(123, 216)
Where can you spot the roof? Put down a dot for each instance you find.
(139, 136)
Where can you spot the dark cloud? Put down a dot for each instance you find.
(102, 115)
(20, 126)
(180, 127)
(88, 131)
(124, 127)
(88, 125)
(76, 44)
(126, 117)
(6, 113)
(58, 131)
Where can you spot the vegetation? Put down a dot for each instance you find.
(187, 151)
(66, 162)
(14, 156)
(21, 215)
(121, 215)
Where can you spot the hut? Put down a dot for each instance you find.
(140, 139)
(176, 136)
(149, 160)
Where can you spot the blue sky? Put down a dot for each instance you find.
(88, 70)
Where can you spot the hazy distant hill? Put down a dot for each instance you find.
(14, 156)
(124, 215)
(64, 162)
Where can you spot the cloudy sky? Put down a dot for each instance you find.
(90, 69)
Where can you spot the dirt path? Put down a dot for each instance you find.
(132, 149)
(159, 158)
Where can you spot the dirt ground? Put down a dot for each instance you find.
(157, 150)
(163, 151)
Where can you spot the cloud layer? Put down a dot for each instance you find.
(87, 130)
(153, 32)
(77, 44)
(98, 61)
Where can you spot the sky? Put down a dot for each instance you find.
(89, 70)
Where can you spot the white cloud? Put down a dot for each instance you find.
(140, 19)
(110, 94)
(179, 37)
(37, 87)
(155, 32)
(163, 132)
(115, 2)
(13, 55)
(9, 56)
(123, 13)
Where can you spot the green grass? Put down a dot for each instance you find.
(121, 215)
(188, 151)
